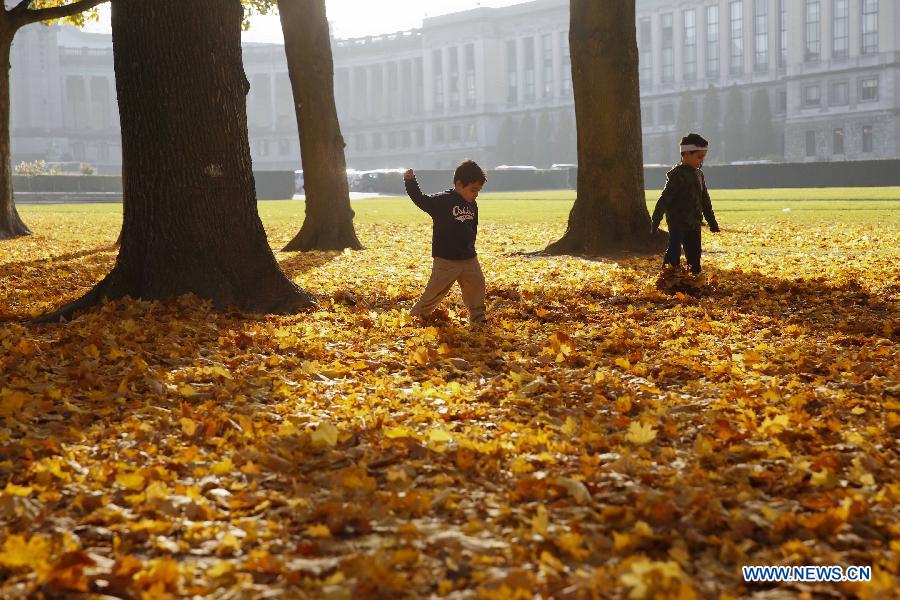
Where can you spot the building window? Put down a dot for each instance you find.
(437, 134)
(813, 34)
(839, 93)
(420, 137)
(761, 36)
(455, 133)
(667, 114)
(868, 141)
(264, 148)
(712, 42)
(647, 115)
(284, 147)
(838, 141)
(454, 78)
(405, 139)
(783, 38)
(869, 26)
(376, 141)
(391, 140)
(868, 89)
(471, 132)
(841, 35)
(781, 102)
(668, 49)
(566, 63)
(470, 75)
(437, 63)
(736, 63)
(529, 69)
(645, 49)
(812, 96)
(689, 19)
(361, 145)
(810, 144)
(547, 59)
(512, 73)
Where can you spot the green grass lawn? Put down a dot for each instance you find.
(877, 206)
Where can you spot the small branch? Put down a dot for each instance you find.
(54, 12)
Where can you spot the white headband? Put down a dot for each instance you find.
(691, 148)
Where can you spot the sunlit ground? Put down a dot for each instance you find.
(599, 437)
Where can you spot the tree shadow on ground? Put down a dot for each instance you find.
(300, 262)
(60, 257)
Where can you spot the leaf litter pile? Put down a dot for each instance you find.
(610, 433)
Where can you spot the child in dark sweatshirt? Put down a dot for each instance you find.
(685, 202)
(454, 214)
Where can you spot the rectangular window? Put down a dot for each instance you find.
(668, 49)
(869, 27)
(455, 133)
(838, 141)
(812, 96)
(361, 145)
(470, 75)
(471, 132)
(437, 134)
(689, 21)
(420, 137)
(437, 68)
(284, 147)
(566, 65)
(813, 30)
(647, 115)
(376, 141)
(645, 50)
(529, 69)
(547, 60)
(712, 42)
(391, 140)
(761, 36)
(840, 45)
(868, 141)
(405, 139)
(736, 62)
(810, 144)
(781, 102)
(512, 73)
(839, 93)
(667, 115)
(868, 89)
(783, 37)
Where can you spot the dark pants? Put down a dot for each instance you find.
(690, 239)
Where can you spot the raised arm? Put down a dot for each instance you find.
(415, 193)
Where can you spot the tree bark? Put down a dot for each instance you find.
(190, 223)
(329, 219)
(610, 213)
(11, 225)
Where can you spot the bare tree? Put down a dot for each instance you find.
(610, 213)
(190, 220)
(329, 219)
(12, 20)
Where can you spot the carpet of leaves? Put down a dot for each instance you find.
(607, 434)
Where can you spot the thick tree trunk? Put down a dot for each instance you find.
(190, 223)
(329, 219)
(11, 224)
(610, 213)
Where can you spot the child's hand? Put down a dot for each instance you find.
(410, 174)
(714, 228)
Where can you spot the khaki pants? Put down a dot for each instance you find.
(444, 273)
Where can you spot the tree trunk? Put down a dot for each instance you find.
(190, 222)
(610, 213)
(329, 219)
(11, 224)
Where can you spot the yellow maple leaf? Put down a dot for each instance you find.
(325, 434)
(640, 434)
(131, 481)
(17, 490)
(188, 426)
(19, 552)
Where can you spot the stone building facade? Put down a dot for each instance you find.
(494, 84)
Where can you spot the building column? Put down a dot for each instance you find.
(656, 48)
(796, 24)
(273, 94)
(557, 63)
(774, 35)
(428, 80)
(678, 46)
(749, 42)
(351, 93)
(369, 93)
(445, 74)
(88, 105)
(520, 71)
(480, 79)
(700, 38)
(826, 15)
(855, 40)
(538, 68)
(461, 74)
(386, 90)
